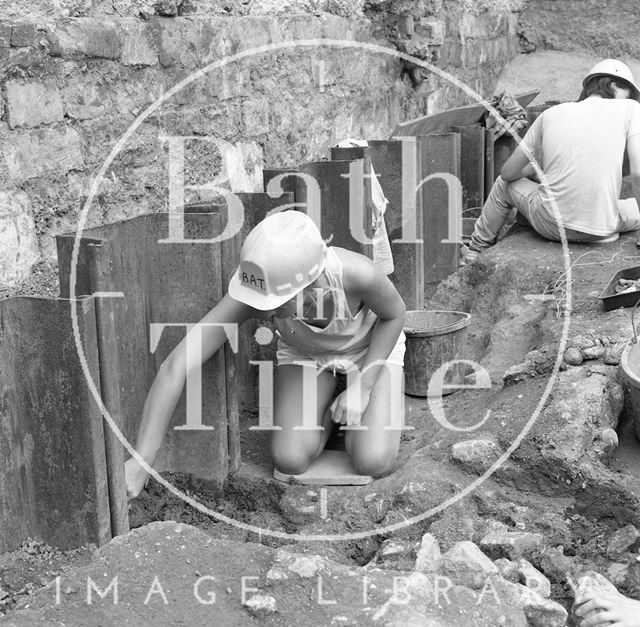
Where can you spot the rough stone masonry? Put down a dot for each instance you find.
(74, 75)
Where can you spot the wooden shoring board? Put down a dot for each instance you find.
(178, 283)
(472, 153)
(440, 155)
(52, 451)
(390, 159)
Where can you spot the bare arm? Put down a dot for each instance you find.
(633, 151)
(198, 345)
(368, 283)
(517, 166)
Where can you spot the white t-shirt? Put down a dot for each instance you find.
(580, 147)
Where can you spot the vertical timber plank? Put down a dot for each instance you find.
(471, 165)
(333, 180)
(107, 313)
(489, 165)
(256, 207)
(388, 160)
(52, 451)
(440, 154)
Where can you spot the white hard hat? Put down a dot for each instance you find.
(281, 256)
(615, 69)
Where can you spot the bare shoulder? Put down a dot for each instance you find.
(358, 272)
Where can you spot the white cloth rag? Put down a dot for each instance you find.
(382, 256)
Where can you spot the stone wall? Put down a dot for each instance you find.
(606, 29)
(76, 74)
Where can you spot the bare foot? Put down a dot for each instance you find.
(612, 609)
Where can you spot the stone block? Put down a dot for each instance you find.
(540, 612)
(33, 103)
(5, 35)
(431, 29)
(510, 544)
(23, 34)
(33, 153)
(85, 37)
(178, 41)
(508, 569)
(533, 578)
(429, 556)
(255, 117)
(623, 540)
(396, 555)
(476, 455)
(467, 565)
(138, 44)
(406, 25)
(83, 101)
(18, 242)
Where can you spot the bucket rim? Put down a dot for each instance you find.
(625, 366)
(465, 319)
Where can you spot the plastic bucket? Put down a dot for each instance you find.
(433, 339)
(630, 366)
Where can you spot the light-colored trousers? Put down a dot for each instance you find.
(524, 195)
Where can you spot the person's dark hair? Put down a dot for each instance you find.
(601, 86)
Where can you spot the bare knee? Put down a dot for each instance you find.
(290, 461)
(373, 461)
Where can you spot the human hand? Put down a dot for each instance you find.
(349, 406)
(135, 477)
(602, 608)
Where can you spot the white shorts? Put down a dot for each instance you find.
(341, 362)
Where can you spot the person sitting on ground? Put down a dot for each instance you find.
(579, 146)
(612, 609)
(289, 276)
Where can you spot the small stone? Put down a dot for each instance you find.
(533, 578)
(397, 555)
(573, 356)
(617, 573)
(467, 565)
(261, 605)
(167, 8)
(429, 555)
(508, 569)
(510, 544)
(476, 455)
(582, 341)
(611, 355)
(593, 352)
(555, 565)
(276, 574)
(623, 540)
(607, 441)
(306, 566)
(592, 581)
(540, 612)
